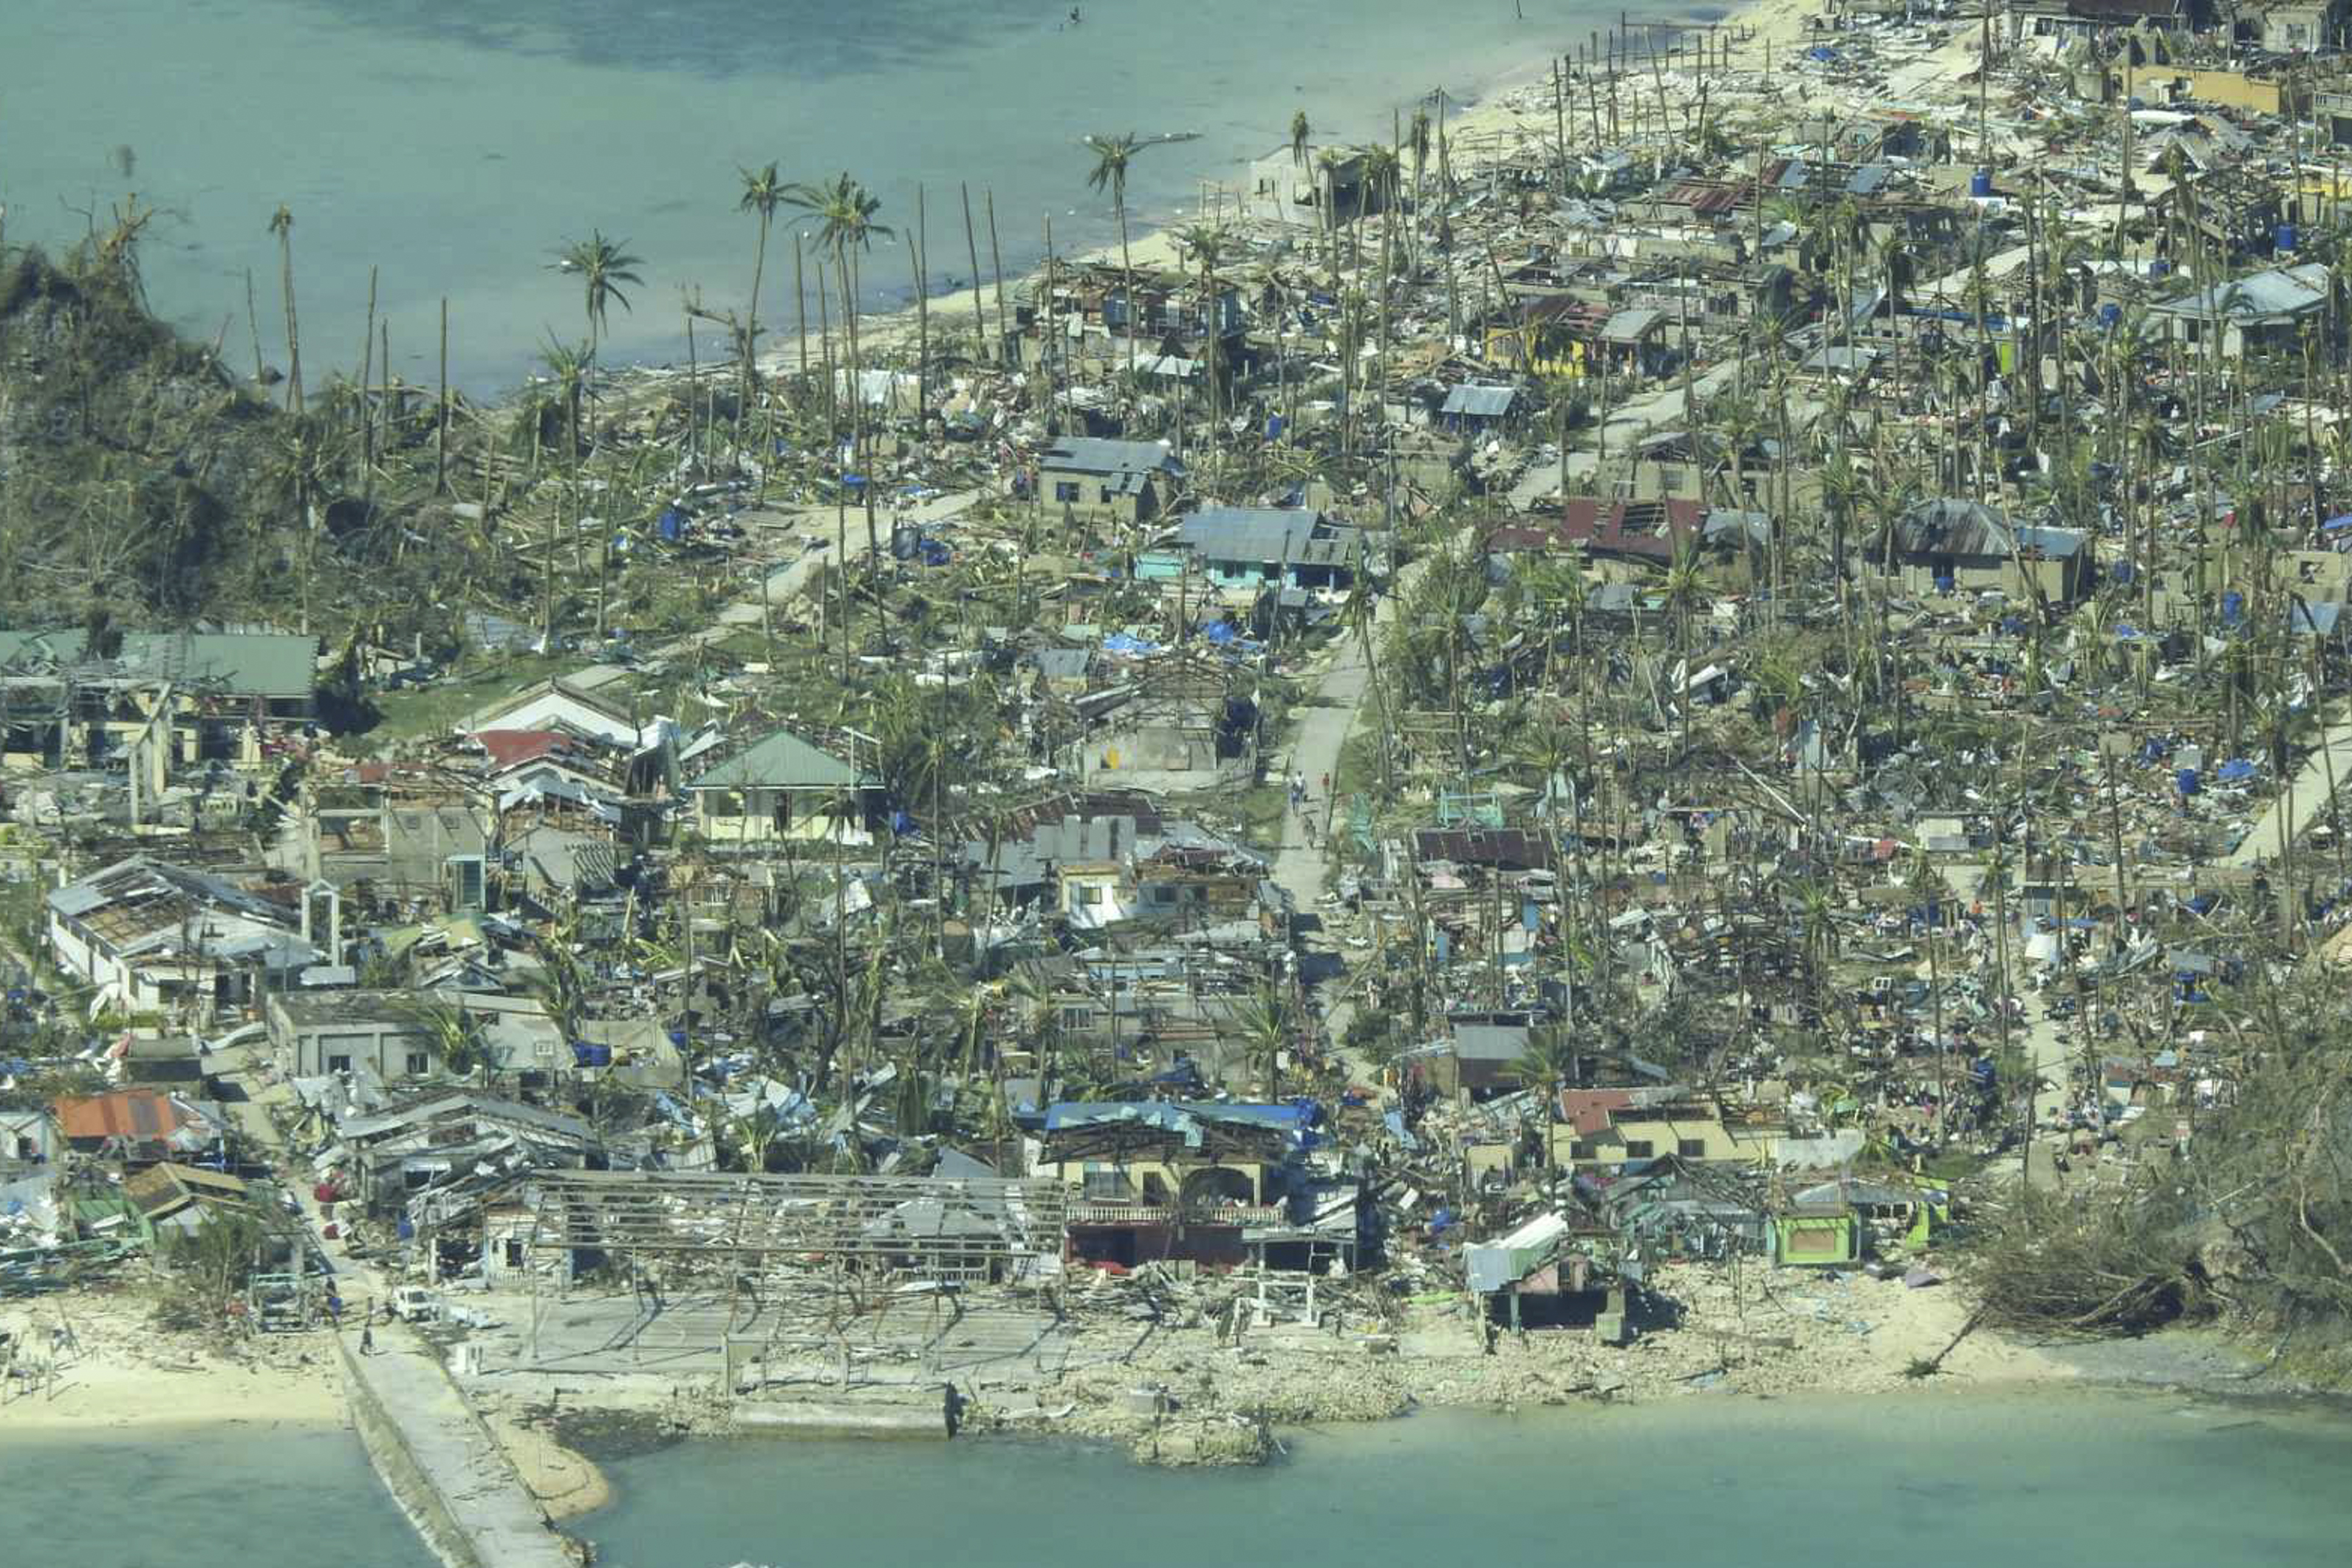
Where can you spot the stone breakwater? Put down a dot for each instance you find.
(449, 1475)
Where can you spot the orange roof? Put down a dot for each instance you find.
(142, 1114)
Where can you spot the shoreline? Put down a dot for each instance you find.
(122, 1373)
(2178, 1365)
(1484, 118)
(1235, 1405)
(1479, 113)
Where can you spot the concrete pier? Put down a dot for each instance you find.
(441, 1463)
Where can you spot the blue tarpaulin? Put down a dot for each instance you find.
(672, 525)
(1121, 643)
(2237, 770)
(2185, 780)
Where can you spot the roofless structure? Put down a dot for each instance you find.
(760, 1269)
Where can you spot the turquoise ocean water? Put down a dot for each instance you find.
(455, 143)
(1933, 1480)
(242, 1495)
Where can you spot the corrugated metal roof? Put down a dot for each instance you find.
(1248, 533)
(1630, 326)
(1088, 454)
(2258, 297)
(143, 879)
(1869, 180)
(1506, 850)
(1490, 1042)
(781, 761)
(1480, 401)
(142, 1114)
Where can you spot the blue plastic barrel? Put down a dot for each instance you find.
(2284, 238)
(1981, 183)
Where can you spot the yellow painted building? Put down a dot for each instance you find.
(2158, 84)
(1691, 1132)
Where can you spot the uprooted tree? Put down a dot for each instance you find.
(2253, 1220)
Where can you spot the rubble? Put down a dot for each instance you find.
(1631, 712)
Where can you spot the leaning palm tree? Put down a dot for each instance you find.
(1112, 154)
(1265, 1023)
(1206, 242)
(453, 1033)
(1548, 1062)
(281, 224)
(762, 190)
(297, 473)
(1331, 160)
(1383, 177)
(1416, 141)
(566, 365)
(843, 211)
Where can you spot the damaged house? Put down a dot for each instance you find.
(147, 936)
(1179, 1180)
(1952, 546)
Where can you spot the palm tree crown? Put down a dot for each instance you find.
(843, 212)
(603, 265)
(764, 189)
(1111, 156)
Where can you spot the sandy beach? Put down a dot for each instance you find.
(1494, 118)
(119, 1371)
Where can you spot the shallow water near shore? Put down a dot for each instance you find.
(456, 144)
(1936, 1478)
(290, 1495)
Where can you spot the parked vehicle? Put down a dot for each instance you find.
(415, 1304)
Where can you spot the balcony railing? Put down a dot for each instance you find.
(1090, 1211)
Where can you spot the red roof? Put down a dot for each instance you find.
(1587, 1110)
(1646, 528)
(142, 1116)
(513, 748)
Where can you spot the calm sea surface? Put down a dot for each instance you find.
(1935, 1481)
(251, 1497)
(456, 143)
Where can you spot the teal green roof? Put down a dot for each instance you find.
(782, 761)
(244, 664)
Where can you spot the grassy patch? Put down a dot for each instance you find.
(1255, 815)
(435, 709)
(1957, 1166)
